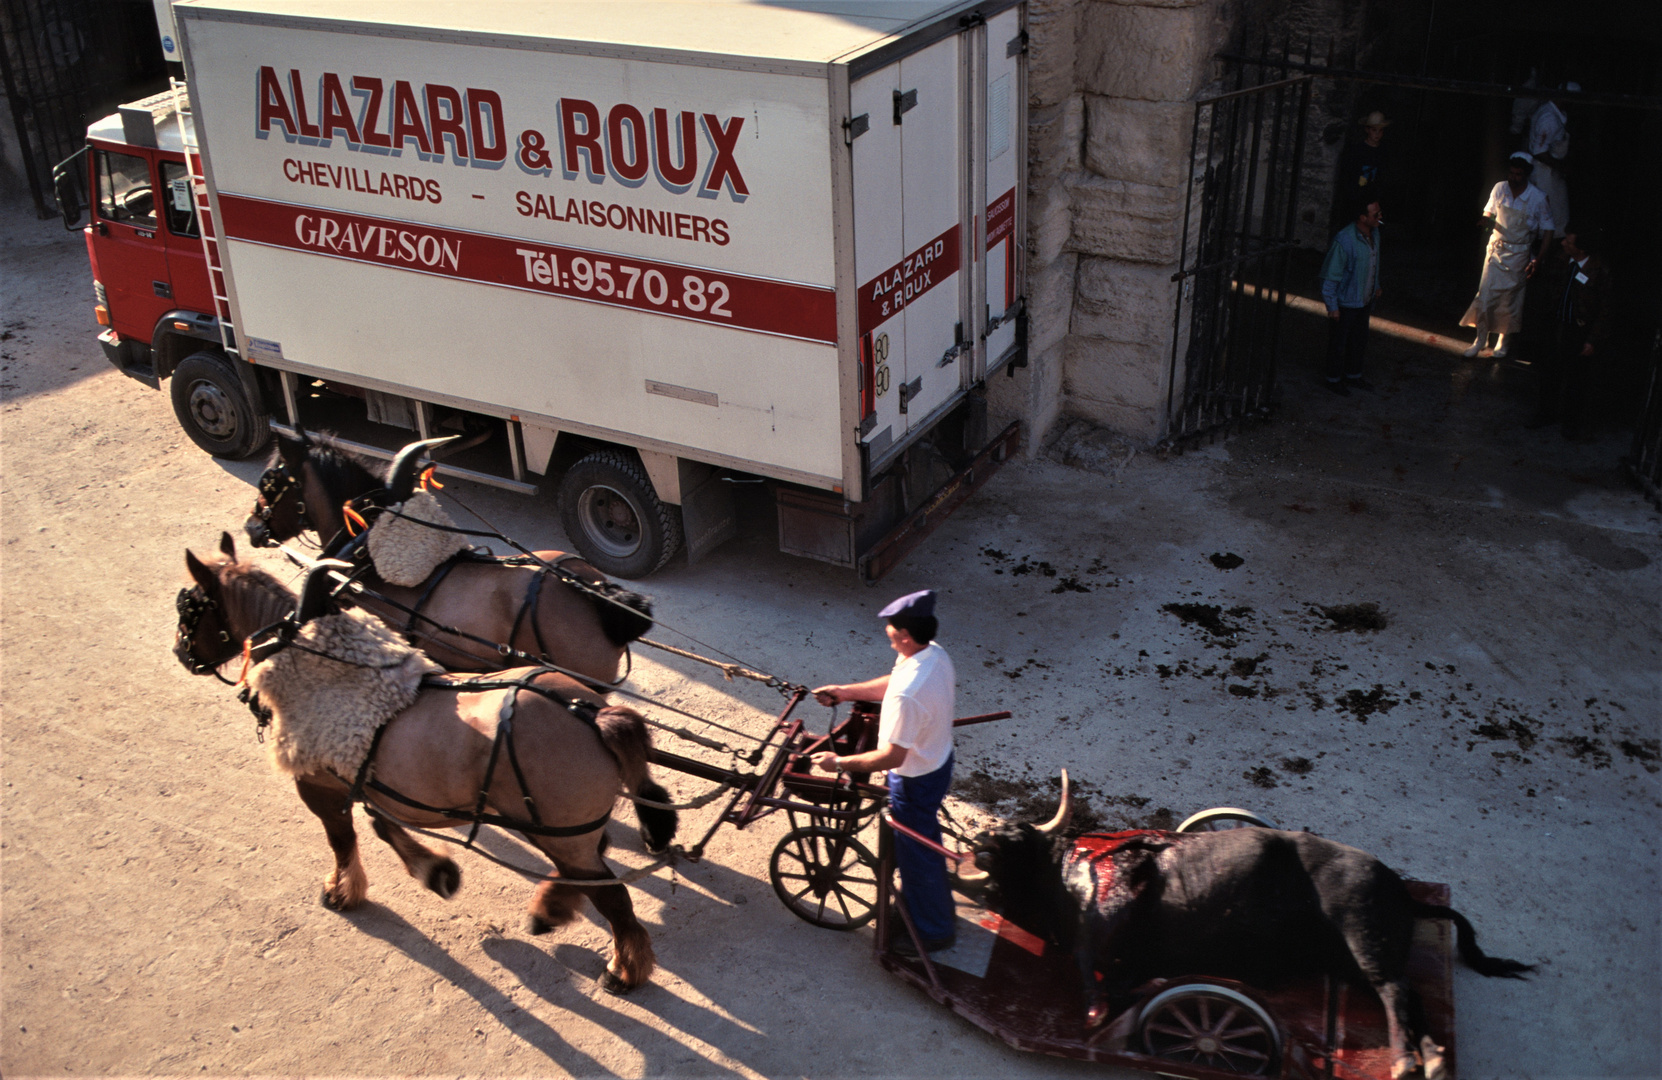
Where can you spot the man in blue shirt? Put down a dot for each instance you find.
(1350, 285)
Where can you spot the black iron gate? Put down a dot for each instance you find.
(1238, 229)
(65, 63)
(1645, 459)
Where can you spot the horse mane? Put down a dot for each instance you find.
(342, 473)
(257, 594)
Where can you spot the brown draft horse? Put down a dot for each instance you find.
(438, 752)
(306, 486)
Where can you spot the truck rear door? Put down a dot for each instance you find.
(909, 222)
(131, 250)
(1001, 93)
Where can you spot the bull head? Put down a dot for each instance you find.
(983, 856)
(401, 476)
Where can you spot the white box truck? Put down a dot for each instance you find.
(649, 247)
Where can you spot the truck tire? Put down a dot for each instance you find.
(214, 408)
(613, 516)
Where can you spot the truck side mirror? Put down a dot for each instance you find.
(66, 190)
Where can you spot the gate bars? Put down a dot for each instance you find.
(1644, 461)
(1246, 148)
(64, 63)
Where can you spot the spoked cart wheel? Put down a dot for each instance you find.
(826, 877)
(1204, 1024)
(1221, 818)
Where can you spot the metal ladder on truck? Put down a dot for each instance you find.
(204, 217)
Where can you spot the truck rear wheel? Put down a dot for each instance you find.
(614, 517)
(214, 408)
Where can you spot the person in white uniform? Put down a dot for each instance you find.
(1521, 219)
(914, 743)
(1549, 145)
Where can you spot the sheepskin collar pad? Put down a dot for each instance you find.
(409, 541)
(350, 674)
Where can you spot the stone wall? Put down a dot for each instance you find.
(1110, 91)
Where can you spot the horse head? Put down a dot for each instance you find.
(303, 488)
(229, 601)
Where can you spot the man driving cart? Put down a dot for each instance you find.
(914, 744)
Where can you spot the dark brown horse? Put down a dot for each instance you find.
(525, 607)
(568, 755)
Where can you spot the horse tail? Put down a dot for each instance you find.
(624, 733)
(624, 614)
(1494, 967)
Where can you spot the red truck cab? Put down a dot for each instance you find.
(151, 277)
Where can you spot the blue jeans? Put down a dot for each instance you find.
(914, 801)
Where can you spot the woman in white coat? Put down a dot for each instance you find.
(1520, 218)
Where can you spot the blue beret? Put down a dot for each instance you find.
(918, 605)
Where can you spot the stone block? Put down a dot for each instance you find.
(1147, 53)
(1125, 302)
(1054, 136)
(1121, 386)
(1140, 142)
(1049, 222)
(1032, 395)
(1133, 222)
(1052, 43)
(1049, 302)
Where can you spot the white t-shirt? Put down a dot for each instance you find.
(918, 710)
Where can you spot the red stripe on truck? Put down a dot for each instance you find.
(684, 292)
(882, 297)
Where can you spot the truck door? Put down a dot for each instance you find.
(909, 202)
(187, 264)
(132, 253)
(1000, 271)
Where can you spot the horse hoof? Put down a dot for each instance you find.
(535, 925)
(445, 878)
(330, 901)
(613, 985)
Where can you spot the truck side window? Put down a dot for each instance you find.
(124, 191)
(176, 197)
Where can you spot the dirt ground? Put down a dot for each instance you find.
(1172, 631)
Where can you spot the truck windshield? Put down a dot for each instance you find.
(176, 194)
(124, 190)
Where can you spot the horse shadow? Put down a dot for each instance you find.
(661, 1051)
(379, 921)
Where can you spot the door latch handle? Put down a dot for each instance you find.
(910, 390)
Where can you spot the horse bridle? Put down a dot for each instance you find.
(193, 603)
(275, 483)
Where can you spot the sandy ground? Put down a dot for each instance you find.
(158, 882)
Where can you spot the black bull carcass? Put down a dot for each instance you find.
(1244, 903)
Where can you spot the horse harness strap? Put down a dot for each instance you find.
(432, 587)
(582, 710)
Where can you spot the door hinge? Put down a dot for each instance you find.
(904, 103)
(1016, 45)
(959, 346)
(910, 390)
(974, 18)
(854, 127)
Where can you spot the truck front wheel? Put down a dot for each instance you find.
(214, 408)
(614, 517)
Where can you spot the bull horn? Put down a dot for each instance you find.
(314, 594)
(1063, 811)
(401, 477)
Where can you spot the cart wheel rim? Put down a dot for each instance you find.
(212, 410)
(611, 521)
(1213, 1026)
(826, 877)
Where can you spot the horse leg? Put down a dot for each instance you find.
(438, 872)
(348, 884)
(555, 904)
(632, 956)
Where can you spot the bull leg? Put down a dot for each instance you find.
(438, 872)
(348, 884)
(1394, 995)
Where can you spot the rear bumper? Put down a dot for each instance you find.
(129, 358)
